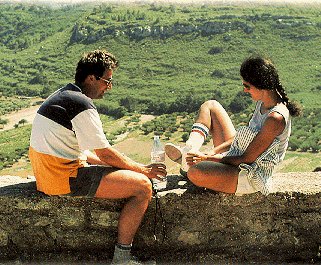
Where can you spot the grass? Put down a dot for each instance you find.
(38, 57)
(137, 146)
(301, 162)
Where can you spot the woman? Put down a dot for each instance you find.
(242, 161)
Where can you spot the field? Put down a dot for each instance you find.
(172, 58)
(133, 142)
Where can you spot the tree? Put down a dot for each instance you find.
(215, 50)
(3, 121)
(185, 137)
(240, 103)
(22, 121)
(168, 135)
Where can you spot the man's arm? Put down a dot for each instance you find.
(114, 158)
(93, 159)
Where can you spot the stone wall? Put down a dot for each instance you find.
(199, 226)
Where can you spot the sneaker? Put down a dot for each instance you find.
(178, 155)
(185, 150)
(174, 152)
(124, 257)
(127, 262)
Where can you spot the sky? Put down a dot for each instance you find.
(225, 2)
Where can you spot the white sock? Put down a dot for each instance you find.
(195, 141)
(122, 253)
(197, 136)
(124, 246)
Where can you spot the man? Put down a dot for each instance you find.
(66, 127)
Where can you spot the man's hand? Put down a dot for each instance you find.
(155, 170)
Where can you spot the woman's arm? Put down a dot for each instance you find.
(223, 147)
(272, 127)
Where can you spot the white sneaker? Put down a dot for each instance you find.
(133, 261)
(127, 262)
(178, 155)
(174, 152)
(185, 150)
(124, 257)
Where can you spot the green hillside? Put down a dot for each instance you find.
(162, 49)
(171, 57)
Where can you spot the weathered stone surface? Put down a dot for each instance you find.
(104, 218)
(191, 225)
(3, 238)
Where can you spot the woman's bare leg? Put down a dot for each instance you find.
(214, 176)
(214, 116)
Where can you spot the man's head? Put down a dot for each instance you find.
(94, 72)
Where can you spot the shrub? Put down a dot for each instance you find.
(215, 50)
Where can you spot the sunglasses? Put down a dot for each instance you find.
(108, 81)
(246, 85)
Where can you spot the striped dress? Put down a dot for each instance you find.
(259, 173)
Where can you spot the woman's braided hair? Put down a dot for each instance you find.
(261, 73)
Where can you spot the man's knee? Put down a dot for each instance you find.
(143, 187)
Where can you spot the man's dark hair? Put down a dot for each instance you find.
(94, 63)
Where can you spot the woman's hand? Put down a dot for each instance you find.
(193, 158)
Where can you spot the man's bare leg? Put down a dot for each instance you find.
(134, 186)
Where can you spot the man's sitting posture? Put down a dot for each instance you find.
(66, 127)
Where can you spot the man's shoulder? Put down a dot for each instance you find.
(68, 99)
(72, 92)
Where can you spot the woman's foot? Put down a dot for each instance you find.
(174, 152)
(178, 155)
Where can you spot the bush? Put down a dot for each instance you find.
(217, 73)
(111, 109)
(215, 50)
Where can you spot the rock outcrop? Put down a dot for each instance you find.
(191, 225)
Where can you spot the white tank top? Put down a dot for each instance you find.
(258, 120)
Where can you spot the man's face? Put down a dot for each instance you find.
(96, 86)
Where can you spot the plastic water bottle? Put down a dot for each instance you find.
(157, 155)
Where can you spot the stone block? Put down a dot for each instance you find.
(3, 238)
(104, 219)
(192, 225)
(70, 218)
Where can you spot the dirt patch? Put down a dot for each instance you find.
(14, 117)
(145, 118)
(304, 182)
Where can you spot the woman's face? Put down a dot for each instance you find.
(255, 93)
